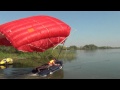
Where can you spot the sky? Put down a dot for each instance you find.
(101, 28)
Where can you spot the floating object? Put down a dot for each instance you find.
(50, 70)
(6, 61)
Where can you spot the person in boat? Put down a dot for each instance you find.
(52, 62)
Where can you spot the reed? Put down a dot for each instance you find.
(27, 59)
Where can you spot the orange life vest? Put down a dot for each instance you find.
(51, 62)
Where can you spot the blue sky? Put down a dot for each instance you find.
(101, 28)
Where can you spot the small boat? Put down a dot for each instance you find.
(6, 61)
(47, 71)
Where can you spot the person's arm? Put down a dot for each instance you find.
(56, 64)
(38, 69)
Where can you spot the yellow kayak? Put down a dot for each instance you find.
(6, 61)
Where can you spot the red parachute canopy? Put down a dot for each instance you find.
(35, 33)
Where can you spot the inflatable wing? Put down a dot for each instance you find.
(35, 33)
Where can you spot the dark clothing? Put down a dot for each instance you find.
(45, 66)
(58, 62)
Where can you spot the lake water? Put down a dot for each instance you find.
(97, 64)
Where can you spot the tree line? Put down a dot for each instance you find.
(89, 47)
(11, 49)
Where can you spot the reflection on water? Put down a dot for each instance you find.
(19, 71)
(69, 56)
(5, 66)
(97, 64)
(25, 73)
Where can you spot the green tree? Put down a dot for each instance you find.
(73, 47)
(90, 47)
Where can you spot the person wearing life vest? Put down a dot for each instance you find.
(52, 62)
(46, 66)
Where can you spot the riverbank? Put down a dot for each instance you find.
(34, 59)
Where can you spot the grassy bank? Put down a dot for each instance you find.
(27, 59)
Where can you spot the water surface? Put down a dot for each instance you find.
(97, 64)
